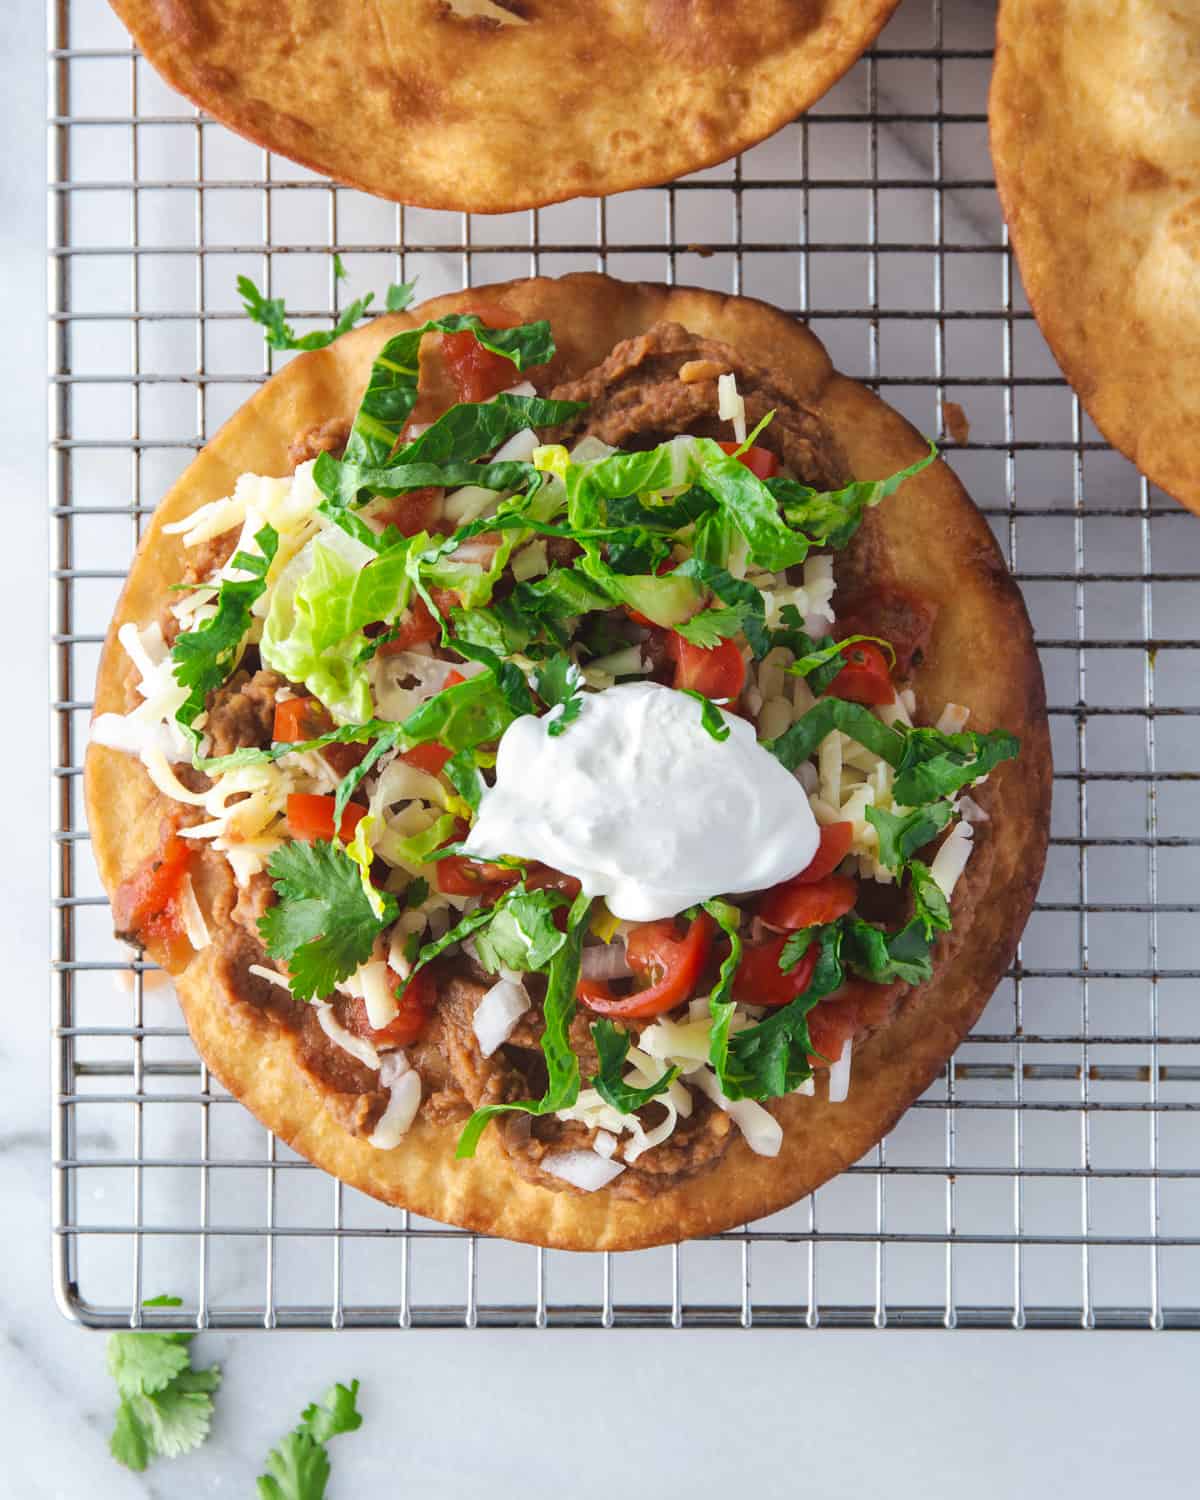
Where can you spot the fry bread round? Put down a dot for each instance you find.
(1095, 129)
(495, 105)
(931, 538)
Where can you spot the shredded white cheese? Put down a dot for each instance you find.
(839, 1074)
(586, 1170)
(951, 859)
(403, 1084)
(954, 719)
(194, 924)
(731, 405)
(762, 1131)
(356, 1046)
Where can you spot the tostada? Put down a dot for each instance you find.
(583, 760)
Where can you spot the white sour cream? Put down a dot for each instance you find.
(640, 803)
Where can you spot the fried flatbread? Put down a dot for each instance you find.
(496, 105)
(1095, 127)
(932, 540)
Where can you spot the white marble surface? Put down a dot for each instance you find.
(482, 1412)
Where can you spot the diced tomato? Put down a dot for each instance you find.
(453, 679)
(417, 627)
(717, 673)
(418, 510)
(855, 1007)
(760, 981)
(430, 757)
(310, 817)
(477, 373)
(444, 600)
(458, 876)
(901, 618)
(795, 904)
(539, 877)
(415, 1008)
(761, 462)
(865, 678)
(672, 964)
(836, 839)
(145, 907)
(298, 719)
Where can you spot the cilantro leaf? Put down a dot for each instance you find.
(562, 1066)
(901, 836)
(559, 684)
(166, 1406)
(612, 1048)
(298, 1467)
(323, 924)
(930, 906)
(522, 934)
(462, 772)
(711, 626)
(417, 892)
(821, 661)
(735, 594)
(712, 720)
(472, 923)
(883, 957)
(204, 658)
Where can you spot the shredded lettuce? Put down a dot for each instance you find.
(562, 1066)
(522, 935)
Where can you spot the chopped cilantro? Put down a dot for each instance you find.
(711, 717)
(559, 684)
(612, 1048)
(797, 945)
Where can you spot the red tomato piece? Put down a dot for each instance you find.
(417, 627)
(761, 462)
(539, 877)
(830, 1026)
(298, 719)
(760, 981)
(673, 965)
(459, 876)
(836, 839)
(477, 373)
(418, 510)
(719, 673)
(865, 678)
(811, 904)
(146, 906)
(310, 817)
(453, 679)
(894, 614)
(416, 1005)
(430, 757)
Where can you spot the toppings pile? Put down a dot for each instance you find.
(325, 694)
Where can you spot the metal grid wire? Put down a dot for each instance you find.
(1051, 1177)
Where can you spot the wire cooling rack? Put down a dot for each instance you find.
(1051, 1177)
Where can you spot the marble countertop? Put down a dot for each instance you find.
(485, 1412)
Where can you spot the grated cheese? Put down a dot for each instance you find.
(731, 405)
(356, 1046)
(951, 859)
(194, 924)
(403, 1084)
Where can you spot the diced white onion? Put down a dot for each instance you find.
(951, 859)
(763, 1132)
(839, 1074)
(605, 1144)
(627, 662)
(808, 1088)
(954, 719)
(585, 1170)
(194, 924)
(497, 1014)
(731, 406)
(356, 1046)
(604, 961)
(972, 811)
(531, 561)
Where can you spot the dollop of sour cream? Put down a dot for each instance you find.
(643, 806)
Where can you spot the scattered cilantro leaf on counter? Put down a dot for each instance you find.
(901, 836)
(711, 718)
(323, 924)
(612, 1048)
(166, 1406)
(203, 658)
(559, 684)
(298, 1467)
(562, 1065)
